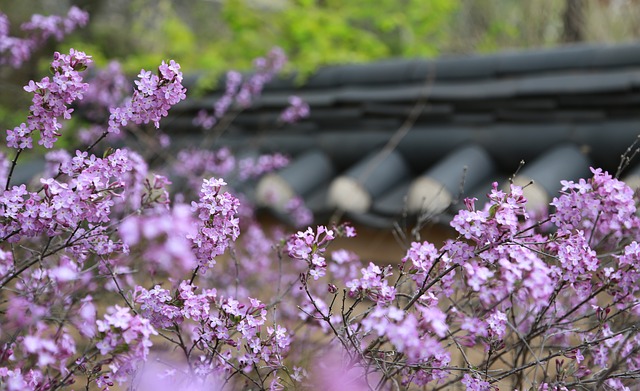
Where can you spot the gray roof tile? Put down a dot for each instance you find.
(545, 60)
(577, 83)
(456, 68)
(515, 106)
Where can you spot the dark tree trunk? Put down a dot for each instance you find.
(573, 21)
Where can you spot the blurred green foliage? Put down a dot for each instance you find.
(218, 36)
(214, 36)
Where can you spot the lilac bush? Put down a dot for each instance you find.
(51, 98)
(243, 91)
(108, 276)
(14, 51)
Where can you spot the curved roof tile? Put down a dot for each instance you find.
(558, 109)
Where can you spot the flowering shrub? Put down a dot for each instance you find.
(103, 269)
(15, 51)
(242, 93)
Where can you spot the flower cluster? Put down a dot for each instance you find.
(309, 246)
(239, 325)
(297, 110)
(126, 337)
(194, 164)
(163, 311)
(414, 336)
(217, 225)
(108, 88)
(220, 322)
(576, 259)
(475, 384)
(501, 282)
(15, 51)
(87, 196)
(265, 70)
(161, 236)
(497, 325)
(206, 120)
(497, 219)
(250, 168)
(373, 284)
(422, 256)
(153, 97)
(243, 93)
(46, 350)
(301, 215)
(50, 101)
(601, 206)
(624, 279)
(519, 272)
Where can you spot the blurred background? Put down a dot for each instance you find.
(217, 35)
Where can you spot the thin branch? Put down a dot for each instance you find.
(13, 166)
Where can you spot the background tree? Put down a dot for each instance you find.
(573, 21)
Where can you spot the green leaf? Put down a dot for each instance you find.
(493, 210)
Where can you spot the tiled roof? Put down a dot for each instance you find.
(397, 137)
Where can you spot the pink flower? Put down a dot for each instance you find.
(50, 101)
(373, 284)
(474, 384)
(154, 96)
(297, 110)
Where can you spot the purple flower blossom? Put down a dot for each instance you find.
(300, 214)
(576, 258)
(126, 337)
(154, 305)
(309, 246)
(474, 384)
(15, 51)
(163, 236)
(218, 224)
(297, 110)
(107, 88)
(251, 168)
(204, 120)
(50, 101)
(499, 217)
(422, 257)
(373, 284)
(243, 93)
(194, 164)
(87, 196)
(497, 325)
(411, 335)
(233, 83)
(43, 27)
(602, 205)
(152, 99)
(266, 69)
